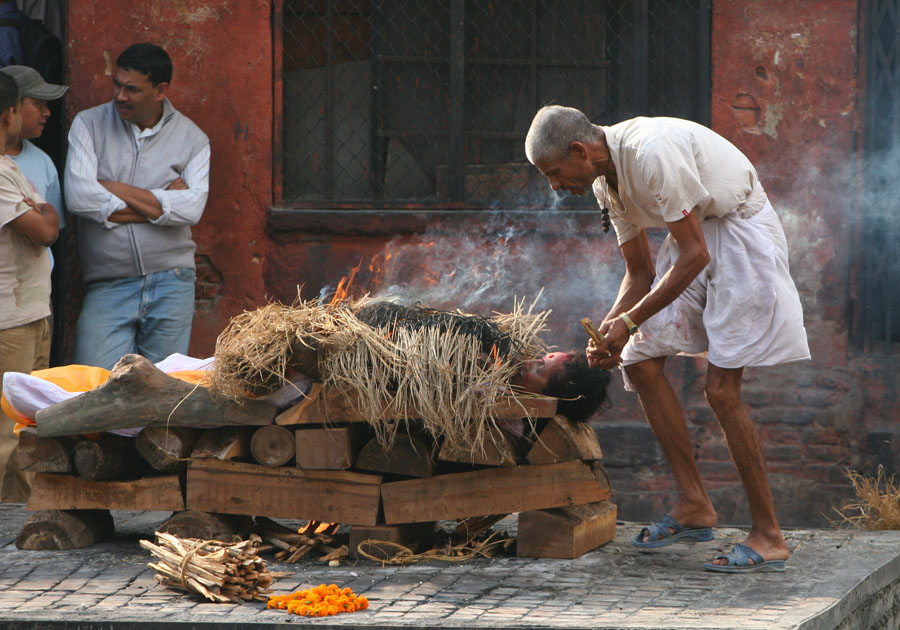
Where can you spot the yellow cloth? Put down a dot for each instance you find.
(81, 378)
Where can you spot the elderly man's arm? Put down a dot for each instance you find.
(85, 196)
(692, 259)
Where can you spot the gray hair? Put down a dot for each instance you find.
(553, 131)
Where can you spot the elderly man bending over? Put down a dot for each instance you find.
(720, 286)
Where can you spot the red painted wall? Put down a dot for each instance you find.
(222, 80)
(785, 91)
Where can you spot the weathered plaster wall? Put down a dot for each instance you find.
(222, 57)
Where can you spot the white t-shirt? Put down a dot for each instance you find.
(667, 166)
(24, 265)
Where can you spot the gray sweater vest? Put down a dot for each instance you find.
(137, 249)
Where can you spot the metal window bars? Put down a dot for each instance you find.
(399, 103)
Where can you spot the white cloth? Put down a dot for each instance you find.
(667, 166)
(741, 310)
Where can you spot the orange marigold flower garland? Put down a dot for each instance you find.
(320, 601)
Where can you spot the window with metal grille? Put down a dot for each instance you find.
(878, 328)
(419, 103)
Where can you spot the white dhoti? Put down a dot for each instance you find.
(741, 310)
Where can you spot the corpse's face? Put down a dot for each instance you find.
(34, 116)
(574, 173)
(137, 100)
(536, 374)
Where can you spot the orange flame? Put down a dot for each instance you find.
(342, 293)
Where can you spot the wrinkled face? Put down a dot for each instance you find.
(34, 116)
(572, 173)
(137, 100)
(537, 373)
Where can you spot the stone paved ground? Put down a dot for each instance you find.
(835, 579)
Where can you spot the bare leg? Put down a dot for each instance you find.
(667, 419)
(723, 391)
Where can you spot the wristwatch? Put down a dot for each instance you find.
(629, 323)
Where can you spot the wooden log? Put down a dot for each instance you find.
(564, 440)
(110, 457)
(470, 527)
(565, 532)
(224, 443)
(490, 491)
(50, 455)
(329, 448)
(409, 455)
(207, 525)
(600, 474)
(138, 394)
(167, 450)
(64, 492)
(498, 448)
(273, 445)
(323, 495)
(328, 405)
(409, 535)
(59, 529)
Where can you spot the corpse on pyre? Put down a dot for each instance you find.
(384, 417)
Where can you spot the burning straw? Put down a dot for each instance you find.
(434, 368)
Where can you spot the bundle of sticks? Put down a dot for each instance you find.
(315, 536)
(219, 571)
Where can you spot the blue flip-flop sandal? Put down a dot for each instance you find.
(660, 536)
(739, 562)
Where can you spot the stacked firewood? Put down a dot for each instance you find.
(217, 464)
(216, 570)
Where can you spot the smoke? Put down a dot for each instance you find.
(544, 256)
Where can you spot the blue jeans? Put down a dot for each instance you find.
(149, 315)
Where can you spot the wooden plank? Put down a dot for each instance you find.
(333, 496)
(408, 534)
(64, 492)
(566, 532)
(329, 448)
(138, 394)
(323, 406)
(409, 455)
(564, 440)
(498, 448)
(490, 491)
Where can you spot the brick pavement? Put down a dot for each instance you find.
(835, 580)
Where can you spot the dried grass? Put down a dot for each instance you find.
(877, 506)
(438, 376)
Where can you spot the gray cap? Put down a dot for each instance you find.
(31, 83)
